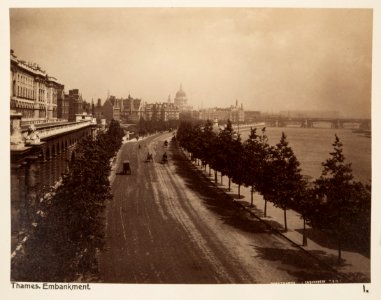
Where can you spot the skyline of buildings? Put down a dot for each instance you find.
(40, 97)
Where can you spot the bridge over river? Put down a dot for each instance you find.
(309, 122)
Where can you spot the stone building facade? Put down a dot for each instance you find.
(131, 109)
(235, 114)
(33, 93)
(160, 112)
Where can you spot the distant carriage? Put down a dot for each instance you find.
(149, 157)
(126, 167)
(165, 143)
(164, 160)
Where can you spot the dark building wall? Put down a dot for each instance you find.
(62, 105)
(108, 110)
(253, 116)
(75, 104)
(98, 110)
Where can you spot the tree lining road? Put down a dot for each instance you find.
(168, 225)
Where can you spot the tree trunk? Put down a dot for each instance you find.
(252, 192)
(215, 176)
(304, 232)
(265, 212)
(339, 259)
(210, 171)
(229, 184)
(221, 178)
(285, 219)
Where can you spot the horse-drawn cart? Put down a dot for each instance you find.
(126, 167)
(149, 157)
(164, 160)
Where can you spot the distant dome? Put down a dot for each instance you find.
(180, 93)
(181, 99)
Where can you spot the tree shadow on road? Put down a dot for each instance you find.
(298, 264)
(328, 241)
(216, 199)
(254, 209)
(235, 195)
(245, 223)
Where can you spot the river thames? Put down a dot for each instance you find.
(313, 145)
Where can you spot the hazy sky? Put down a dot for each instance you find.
(268, 59)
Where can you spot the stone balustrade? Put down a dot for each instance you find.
(34, 121)
(61, 128)
(21, 134)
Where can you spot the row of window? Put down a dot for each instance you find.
(41, 95)
(26, 113)
(29, 113)
(26, 89)
(25, 80)
(25, 92)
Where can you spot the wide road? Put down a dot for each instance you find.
(168, 224)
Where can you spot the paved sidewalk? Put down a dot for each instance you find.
(356, 267)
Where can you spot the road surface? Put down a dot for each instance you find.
(168, 224)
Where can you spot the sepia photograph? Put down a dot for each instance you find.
(211, 146)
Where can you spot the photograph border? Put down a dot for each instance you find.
(188, 291)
